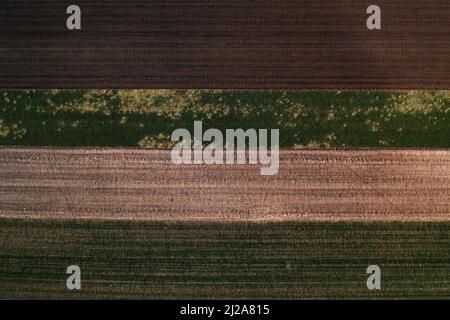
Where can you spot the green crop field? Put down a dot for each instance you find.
(146, 118)
(223, 260)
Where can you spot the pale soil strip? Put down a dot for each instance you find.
(312, 185)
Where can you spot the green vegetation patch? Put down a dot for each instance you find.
(184, 260)
(146, 118)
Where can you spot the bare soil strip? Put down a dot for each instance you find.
(265, 44)
(136, 184)
(125, 259)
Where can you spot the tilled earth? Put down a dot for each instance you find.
(226, 44)
(132, 184)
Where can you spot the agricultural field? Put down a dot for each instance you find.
(86, 179)
(140, 184)
(180, 260)
(146, 118)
